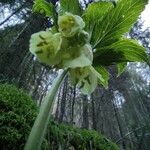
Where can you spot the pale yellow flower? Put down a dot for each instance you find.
(45, 45)
(77, 56)
(70, 24)
(85, 79)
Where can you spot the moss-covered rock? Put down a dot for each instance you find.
(17, 115)
(73, 138)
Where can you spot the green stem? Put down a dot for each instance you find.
(40, 125)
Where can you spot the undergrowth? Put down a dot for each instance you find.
(17, 114)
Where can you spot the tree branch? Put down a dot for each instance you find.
(129, 133)
(16, 11)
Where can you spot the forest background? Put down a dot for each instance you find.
(121, 113)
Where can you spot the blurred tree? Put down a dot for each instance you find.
(17, 64)
(122, 112)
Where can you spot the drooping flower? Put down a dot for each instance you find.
(85, 79)
(70, 24)
(69, 48)
(45, 45)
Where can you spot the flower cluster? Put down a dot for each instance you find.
(69, 48)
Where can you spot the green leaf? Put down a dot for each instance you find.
(95, 12)
(105, 75)
(43, 7)
(116, 22)
(124, 50)
(102, 75)
(72, 6)
(121, 67)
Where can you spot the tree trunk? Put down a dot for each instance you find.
(85, 122)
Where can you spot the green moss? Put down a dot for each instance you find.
(17, 115)
(80, 139)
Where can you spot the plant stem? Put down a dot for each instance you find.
(40, 125)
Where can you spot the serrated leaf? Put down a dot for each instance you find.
(124, 50)
(43, 7)
(116, 22)
(121, 67)
(71, 6)
(95, 12)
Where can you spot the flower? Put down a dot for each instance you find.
(69, 48)
(77, 56)
(45, 45)
(83, 38)
(85, 79)
(70, 24)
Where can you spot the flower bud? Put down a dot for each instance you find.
(45, 45)
(70, 24)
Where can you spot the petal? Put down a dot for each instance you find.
(38, 38)
(70, 24)
(96, 74)
(89, 85)
(80, 21)
(85, 79)
(84, 58)
(45, 45)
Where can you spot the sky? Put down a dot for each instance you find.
(146, 16)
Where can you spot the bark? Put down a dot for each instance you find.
(85, 122)
(72, 105)
(63, 100)
(119, 126)
(94, 123)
